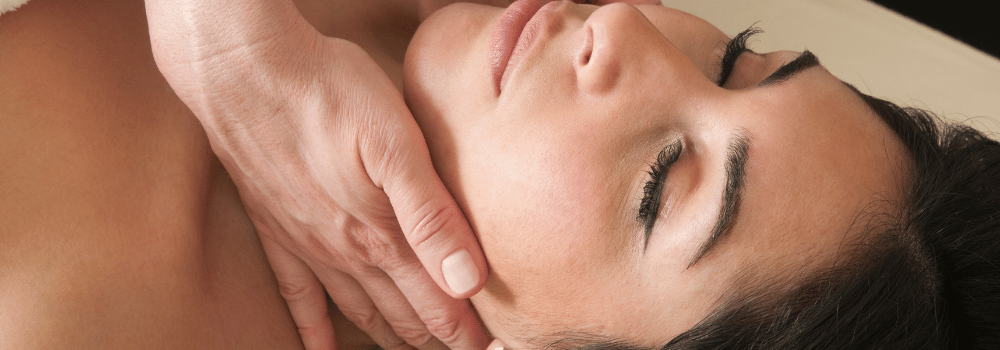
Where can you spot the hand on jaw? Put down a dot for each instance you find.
(332, 169)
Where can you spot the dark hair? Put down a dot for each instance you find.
(925, 273)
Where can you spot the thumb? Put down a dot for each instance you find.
(433, 224)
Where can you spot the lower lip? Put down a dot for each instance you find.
(505, 35)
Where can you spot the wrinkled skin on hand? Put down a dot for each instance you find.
(332, 169)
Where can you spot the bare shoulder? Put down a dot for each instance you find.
(118, 228)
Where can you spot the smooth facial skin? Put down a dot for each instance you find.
(550, 170)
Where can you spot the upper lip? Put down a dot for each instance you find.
(506, 33)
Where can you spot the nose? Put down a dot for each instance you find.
(622, 46)
(613, 37)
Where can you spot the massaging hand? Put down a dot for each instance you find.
(332, 169)
(327, 158)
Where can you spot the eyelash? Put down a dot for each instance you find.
(734, 48)
(649, 207)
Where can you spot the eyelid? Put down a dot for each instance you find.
(649, 207)
(734, 49)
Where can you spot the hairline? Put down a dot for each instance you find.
(880, 219)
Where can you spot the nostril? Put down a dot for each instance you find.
(588, 47)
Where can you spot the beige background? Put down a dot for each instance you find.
(878, 51)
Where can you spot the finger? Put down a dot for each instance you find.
(305, 296)
(448, 251)
(354, 302)
(430, 219)
(397, 309)
(450, 320)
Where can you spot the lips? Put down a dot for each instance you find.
(505, 35)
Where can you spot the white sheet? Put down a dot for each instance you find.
(10, 5)
(878, 51)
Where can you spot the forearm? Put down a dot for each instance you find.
(207, 49)
(331, 165)
(258, 83)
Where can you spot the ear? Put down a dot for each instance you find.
(497, 344)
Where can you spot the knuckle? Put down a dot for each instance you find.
(444, 326)
(295, 291)
(368, 319)
(382, 250)
(403, 263)
(343, 250)
(413, 334)
(434, 219)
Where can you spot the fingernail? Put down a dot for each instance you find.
(497, 344)
(459, 272)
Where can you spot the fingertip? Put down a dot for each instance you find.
(497, 344)
(433, 223)
(305, 296)
(319, 339)
(462, 275)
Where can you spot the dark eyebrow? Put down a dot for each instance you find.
(790, 69)
(732, 195)
(736, 160)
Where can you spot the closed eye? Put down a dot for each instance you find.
(649, 207)
(734, 48)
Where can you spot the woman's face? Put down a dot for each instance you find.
(550, 163)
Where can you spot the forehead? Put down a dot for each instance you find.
(539, 199)
(818, 161)
(816, 174)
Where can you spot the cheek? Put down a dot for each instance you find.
(699, 40)
(537, 215)
(546, 224)
(445, 73)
